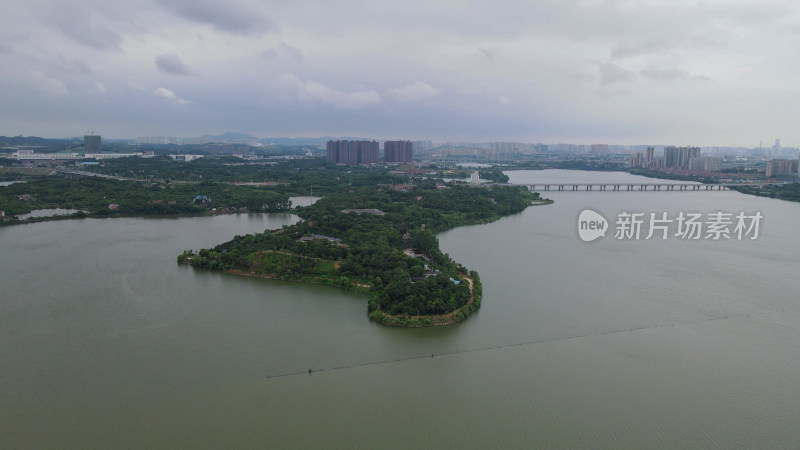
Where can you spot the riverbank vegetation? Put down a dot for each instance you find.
(790, 192)
(380, 241)
(103, 197)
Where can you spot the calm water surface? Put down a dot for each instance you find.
(107, 343)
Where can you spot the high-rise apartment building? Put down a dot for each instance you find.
(92, 143)
(678, 157)
(777, 167)
(707, 164)
(398, 151)
(420, 146)
(353, 153)
(637, 160)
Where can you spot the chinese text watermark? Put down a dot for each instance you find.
(717, 225)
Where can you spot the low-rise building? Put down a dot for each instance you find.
(201, 200)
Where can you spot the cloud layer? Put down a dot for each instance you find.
(172, 64)
(714, 73)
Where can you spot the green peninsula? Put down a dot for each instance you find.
(380, 241)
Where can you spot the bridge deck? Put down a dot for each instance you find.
(635, 186)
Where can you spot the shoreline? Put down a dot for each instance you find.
(357, 288)
(421, 321)
(240, 256)
(455, 316)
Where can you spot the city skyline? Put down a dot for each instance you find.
(582, 72)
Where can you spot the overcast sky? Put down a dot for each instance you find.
(629, 72)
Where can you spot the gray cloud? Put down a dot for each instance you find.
(170, 96)
(283, 50)
(611, 73)
(640, 47)
(83, 25)
(442, 69)
(74, 65)
(48, 85)
(488, 53)
(668, 74)
(412, 92)
(172, 64)
(288, 50)
(233, 16)
(312, 91)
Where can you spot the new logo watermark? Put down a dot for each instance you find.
(591, 225)
(715, 226)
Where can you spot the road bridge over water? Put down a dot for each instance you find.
(618, 187)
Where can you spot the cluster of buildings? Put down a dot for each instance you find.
(640, 159)
(365, 153)
(466, 151)
(684, 158)
(517, 148)
(93, 149)
(678, 157)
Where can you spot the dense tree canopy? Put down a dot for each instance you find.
(370, 249)
(134, 198)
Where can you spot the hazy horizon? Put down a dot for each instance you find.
(380, 139)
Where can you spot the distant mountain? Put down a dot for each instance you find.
(230, 136)
(8, 141)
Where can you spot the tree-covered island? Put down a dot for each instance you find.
(379, 241)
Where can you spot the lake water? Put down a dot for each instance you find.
(306, 200)
(107, 343)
